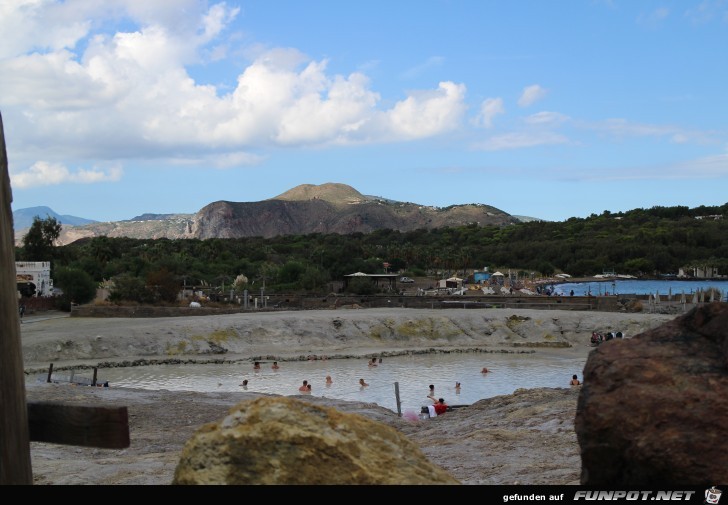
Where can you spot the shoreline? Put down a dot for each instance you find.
(142, 362)
(77, 342)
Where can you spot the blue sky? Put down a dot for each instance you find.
(114, 108)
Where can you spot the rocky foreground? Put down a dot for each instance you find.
(524, 438)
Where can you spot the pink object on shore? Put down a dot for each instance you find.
(410, 415)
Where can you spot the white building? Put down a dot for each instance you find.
(34, 278)
(702, 272)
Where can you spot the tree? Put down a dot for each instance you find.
(240, 283)
(129, 288)
(38, 242)
(362, 286)
(77, 286)
(163, 285)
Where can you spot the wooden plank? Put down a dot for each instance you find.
(15, 465)
(88, 426)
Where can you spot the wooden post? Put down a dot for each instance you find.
(96, 371)
(15, 465)
(396, 396)
(50, 373)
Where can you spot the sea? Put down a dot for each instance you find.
(669, 287)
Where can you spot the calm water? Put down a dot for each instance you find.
(641, 287)
(413, 373)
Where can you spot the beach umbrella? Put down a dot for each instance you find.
(695, 298)
(682, 298)
(702, 296)
(669, 295)
(657, 298)
(712, 295)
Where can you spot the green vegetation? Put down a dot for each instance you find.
(77, 286)
(642, 242)
(38, 242)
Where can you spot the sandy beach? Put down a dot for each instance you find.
(524, 438)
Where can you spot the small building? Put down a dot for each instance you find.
(498, 279)
(33, 278)
(454, 282)
(702, 272)
(390, 280)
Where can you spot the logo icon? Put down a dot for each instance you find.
(712, 495)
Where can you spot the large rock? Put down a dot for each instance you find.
(654, 408)
(287, 441)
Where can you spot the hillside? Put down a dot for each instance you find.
(304, 209)
(23, 218)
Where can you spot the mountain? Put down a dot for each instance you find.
(23, 218)
(332, 208)
(325, 208)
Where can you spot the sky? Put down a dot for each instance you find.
(116, 108)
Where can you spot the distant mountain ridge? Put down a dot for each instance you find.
(304, 209)
(23, 218)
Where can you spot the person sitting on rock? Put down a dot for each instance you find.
(439, 404)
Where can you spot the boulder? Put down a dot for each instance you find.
(653, 409)
(281, 440)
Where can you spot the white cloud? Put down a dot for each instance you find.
(623, 128)
(517, 140)
(129, 94)
(216, 19)
(428, 113)
(547, 118)
(655, 17)
(531, 94)
(708, 166)
(489, 109)
(220, 161)
(43, 173)
(708, 10)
